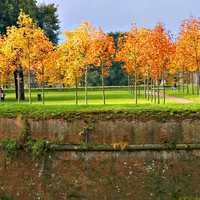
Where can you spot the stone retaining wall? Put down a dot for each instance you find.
(107, 131)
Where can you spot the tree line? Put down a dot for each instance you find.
(149, 57)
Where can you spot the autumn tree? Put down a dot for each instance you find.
(84, 35)
(163, 50)
(132, 53)
(145, 54)
(23, 46)
(10, 55)
(55, 68)
(71, 60)
(74, 56)
(101, 54)
(5, 69)
(42, 58)
(188, 47)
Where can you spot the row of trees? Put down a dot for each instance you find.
(154, 57)
(25, 48)
(149, 56)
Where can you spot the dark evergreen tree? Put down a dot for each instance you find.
(117, 76)
(48, 20)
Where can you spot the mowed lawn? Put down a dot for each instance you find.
(67, 96)
(58, 102)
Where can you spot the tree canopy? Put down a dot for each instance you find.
(44, 14)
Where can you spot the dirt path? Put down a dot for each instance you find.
(178, 100)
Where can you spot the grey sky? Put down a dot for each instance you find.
(117, 15)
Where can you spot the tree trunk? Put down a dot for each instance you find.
(158, 91)
(76, 91)
(148, 87)
(145, 89)
(198, 82)
(133, 86)
(29, 87)
(128, 83)
(29, 73)
(43, 89)
(183, 84)
(192, 81)
(86, 86)
(139, 91)
(151, 90)
(16, 84)
(43, 93)
(43, 84)
(136, 96)
(19, 88)
(154, 91)
(164, 90)
(188, 80)
(179, 82)
(102, 84)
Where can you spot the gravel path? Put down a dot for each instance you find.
(179, 99)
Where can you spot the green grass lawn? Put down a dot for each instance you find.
(59, 101)
(67, 96)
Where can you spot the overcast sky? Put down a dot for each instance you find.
(117, 15)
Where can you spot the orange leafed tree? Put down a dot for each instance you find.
(101, 54)
(134, 52)
(188, 47)
(42, 57)
(163, 50)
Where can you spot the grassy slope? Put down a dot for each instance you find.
(52, 111)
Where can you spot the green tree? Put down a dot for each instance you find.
(44, 14)
(48, 20)
(117, 76)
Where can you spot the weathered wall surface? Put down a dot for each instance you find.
(103, 175)
(140, 175)
(107, 131)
